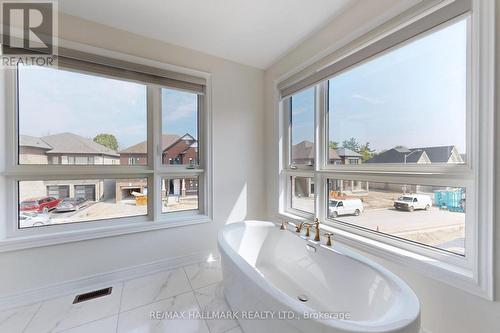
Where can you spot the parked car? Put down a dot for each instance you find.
(410, 202)
(32, 219)
(39, 205)
(345, 207)
(71, 204)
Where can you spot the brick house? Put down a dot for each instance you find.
(184, 150)
(138, 153)
(66, 148)
(176, 150)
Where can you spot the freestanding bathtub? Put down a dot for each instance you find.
(278, 282)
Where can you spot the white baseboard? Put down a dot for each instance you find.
(97, 281)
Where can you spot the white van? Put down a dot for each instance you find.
(345, 207)
(410, 202)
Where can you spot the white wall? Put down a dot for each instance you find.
(237, 111)
(444, 309)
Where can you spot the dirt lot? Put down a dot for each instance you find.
(435, 227)
(99, 210)
(175, 204)
(124, 208)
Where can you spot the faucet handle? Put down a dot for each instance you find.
(308, 229)
(329, 238)
(283, 224)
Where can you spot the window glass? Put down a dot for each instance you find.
(49, 202)
(302, 127)
(406, 106)
(73, 118)
(179, 127)
(302, 193)
(179, 194)
(429, 215)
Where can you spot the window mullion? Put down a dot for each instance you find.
(154, 157)
(287, 128)
(320, 149)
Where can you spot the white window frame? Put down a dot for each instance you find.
(289, 208)
(16, 238)
(473, 272)
(287, 104)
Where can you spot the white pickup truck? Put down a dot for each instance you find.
(410, 202)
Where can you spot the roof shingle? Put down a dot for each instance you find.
(69, 143)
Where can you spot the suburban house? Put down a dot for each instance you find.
(125, 188)
(184, 150)
(176, 150)
(138, 153)
(333, 156)
(33, 150)
(303, 153)
(66, 148)
(400, 154)
(348, 156)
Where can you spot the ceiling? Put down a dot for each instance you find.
(252, 32)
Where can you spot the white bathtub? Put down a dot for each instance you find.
(265, 270)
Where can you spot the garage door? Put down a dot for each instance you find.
(58, 191)
(85, 191)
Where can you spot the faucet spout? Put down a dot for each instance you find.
(316, 230)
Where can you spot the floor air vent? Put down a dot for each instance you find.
(92, 294)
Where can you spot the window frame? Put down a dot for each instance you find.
(473, 272)
(15, 238)
(289, 207)
(288, 104)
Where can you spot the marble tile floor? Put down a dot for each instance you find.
(192, 289)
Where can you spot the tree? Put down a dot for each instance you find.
(107, 140)
(351, 144)
(333, 145)
(366, 152)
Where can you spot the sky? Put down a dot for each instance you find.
(180, 112)
(55, 101)
(414, 96)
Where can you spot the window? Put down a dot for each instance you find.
(371, 120)
(179, 127)
(78, 114)
(302, 194)
(94, 131)
(302, 128)
(428, 215)
(79, 200)
(402, 145)
(371, 113)
(179, 194)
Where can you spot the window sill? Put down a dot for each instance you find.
(449, 273)
(26, 242)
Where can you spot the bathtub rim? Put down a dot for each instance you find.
(411, 305)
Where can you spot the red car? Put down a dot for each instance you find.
(39, 205)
